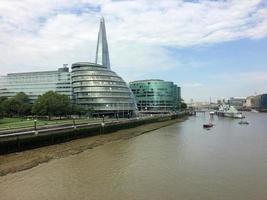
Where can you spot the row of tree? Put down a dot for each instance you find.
(18, 105)
(49, 104)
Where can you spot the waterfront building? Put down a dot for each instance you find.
(237, 102)
(36, 83)
(259, 102)
(156, 95)
(97, 88)
(249, 101)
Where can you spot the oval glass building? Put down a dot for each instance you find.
(98, 88)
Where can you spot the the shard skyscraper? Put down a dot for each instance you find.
(102, 54)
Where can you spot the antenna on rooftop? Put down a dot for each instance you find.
(65, 65)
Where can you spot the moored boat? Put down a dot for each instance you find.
(244, 122)
(254, 111)
(209, 125)
(229, 111)
(212, 112)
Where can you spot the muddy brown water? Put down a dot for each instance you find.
(181, 161)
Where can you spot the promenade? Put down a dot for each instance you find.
(27, 138)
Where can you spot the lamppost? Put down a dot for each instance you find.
(146, 97)
(147, 101)
(73, 122)
(35, 124)
(123, 110)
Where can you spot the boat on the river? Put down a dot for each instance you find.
(254, 111)
(229, 111)
(212, 112)
(243, 122)
(209, 125)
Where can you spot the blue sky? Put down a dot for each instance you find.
(235, 68)
(210, 48)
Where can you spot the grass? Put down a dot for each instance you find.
(13, 123)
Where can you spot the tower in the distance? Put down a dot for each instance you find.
(102, 54)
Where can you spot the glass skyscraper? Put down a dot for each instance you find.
(156, 95)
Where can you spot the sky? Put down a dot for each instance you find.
(212, 49)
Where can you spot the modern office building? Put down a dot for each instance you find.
(96, 86)
(237, 102)
(259, 102)
(36, 83)
(156, 95)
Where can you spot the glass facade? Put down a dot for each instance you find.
(36, 83)
(237, 102)
(259, 102)
(99, 88)
(156, 95)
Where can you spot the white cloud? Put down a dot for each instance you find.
(49, 33)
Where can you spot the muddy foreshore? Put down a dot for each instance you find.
(16, 162)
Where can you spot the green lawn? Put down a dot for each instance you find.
(12, 123)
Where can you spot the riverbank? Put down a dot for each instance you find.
(29, 139)
(16, 162)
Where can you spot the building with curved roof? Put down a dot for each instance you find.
(101, 89)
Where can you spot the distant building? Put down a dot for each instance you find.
(36, 83)
(156, 95)
(249, 102)
(237, 102)
(259, 102)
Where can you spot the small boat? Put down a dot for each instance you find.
(212, 112)
(254, 111)
(209, 125)
(243, 122)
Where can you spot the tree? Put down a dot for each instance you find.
(23, 104)
(80, 110)
(19, 105)
(10, 107)
(2, 99)
(52, 104)
(183, 105)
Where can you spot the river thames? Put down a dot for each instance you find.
(181, 161)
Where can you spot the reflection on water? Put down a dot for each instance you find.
(182, 161)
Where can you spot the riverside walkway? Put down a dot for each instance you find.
(25, 138)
